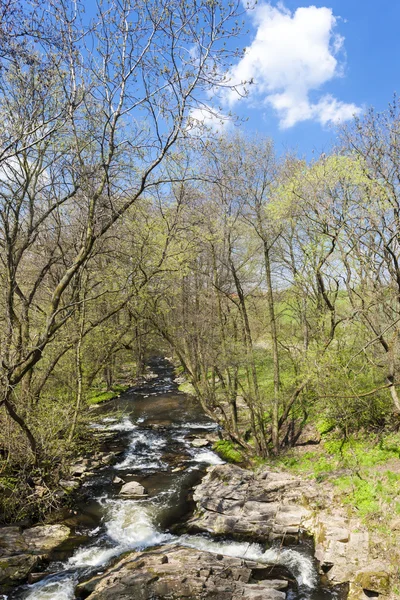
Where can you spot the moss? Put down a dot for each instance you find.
(186, 388)
(98, 396)
(228, 452)
(374, 581)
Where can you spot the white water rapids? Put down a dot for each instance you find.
(134, 524)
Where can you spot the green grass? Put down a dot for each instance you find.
(369, 497)
(360, 472)
(98, 396)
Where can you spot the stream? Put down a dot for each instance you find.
(152, 440)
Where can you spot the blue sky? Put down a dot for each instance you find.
(314, 65)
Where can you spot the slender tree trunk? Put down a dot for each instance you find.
(275, 350)
(79, 374)
(11, 410)
(255, 402)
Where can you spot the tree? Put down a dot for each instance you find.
(85, 128)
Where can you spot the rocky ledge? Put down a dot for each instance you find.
(277, 506)
(176, 572)
(22, 550)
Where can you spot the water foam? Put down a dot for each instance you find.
(300, 566)
(145, 451)
(62, 589)
(209, 457)
(129, 524)
(113, 424)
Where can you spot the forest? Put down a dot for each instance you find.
(129, 228)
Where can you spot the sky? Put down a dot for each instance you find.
(314, 65)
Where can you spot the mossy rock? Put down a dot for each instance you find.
(228, 452)
(373, 581)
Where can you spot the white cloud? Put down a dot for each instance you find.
(292, 55)
(207, 119)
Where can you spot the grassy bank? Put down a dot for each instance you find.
(97, 396)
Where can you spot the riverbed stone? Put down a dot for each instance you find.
(133, 489)
(199, 443)
(188, 573)
(17, 567)
(44, 538)
(12, 541)
(21, 551)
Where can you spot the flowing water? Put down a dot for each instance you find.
(152, 435)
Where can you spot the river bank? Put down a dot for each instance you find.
(238, 535)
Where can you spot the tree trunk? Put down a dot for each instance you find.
(275, 350)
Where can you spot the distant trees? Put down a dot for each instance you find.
(289, 308)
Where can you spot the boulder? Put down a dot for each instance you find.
(133, 489)
(233, 501)
(373, 579)
(35, 540)
(16, 568)
(12, 541)
(184, 573)
(44, 538)
(199, 443)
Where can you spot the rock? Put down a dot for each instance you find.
(341, 545)
(107, 459)
(118, 480)
(373, 580)
(69, 484)
(274, 505)
(199, 443)
(232, 501)
(12, 541)
(16, 568)
(133, 489)
(187, 573)
(78, 470)
(44, 538)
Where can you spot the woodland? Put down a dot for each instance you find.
(128, 229)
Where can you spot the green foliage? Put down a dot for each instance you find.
(186, 388)
(228, 451)
(363, 495)
(96, 396)
(325, 426)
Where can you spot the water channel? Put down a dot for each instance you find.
(152, 426)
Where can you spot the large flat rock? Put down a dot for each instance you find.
(233, 501)
(177, 572)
